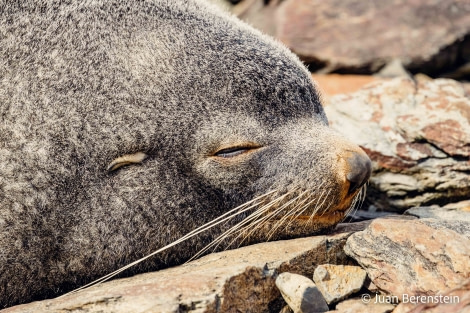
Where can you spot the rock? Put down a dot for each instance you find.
(417, 135)
(461, 73)
(413, 257)
(453, 301)
(336, 282)
(258, 13)
(461, 206)
(224, 5)
(466, 86)
(369, 285)
(359, 226)
(394, 68)
(349, 36)
(286, 309)
(446, 213)
(350, 227)
(241, 279)
(300, 293)
(361, 306)
(334, 84)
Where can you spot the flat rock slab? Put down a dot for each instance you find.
(417, 134)
(241, 279)
(413, 257)
(446, 213)
(361, 36)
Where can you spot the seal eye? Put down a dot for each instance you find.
(126, 160)
(231, 152)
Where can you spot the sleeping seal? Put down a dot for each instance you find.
(127, 124)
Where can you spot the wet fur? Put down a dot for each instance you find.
(83, 83)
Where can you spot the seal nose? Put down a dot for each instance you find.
(359, 171)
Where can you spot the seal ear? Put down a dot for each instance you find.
(126, 159)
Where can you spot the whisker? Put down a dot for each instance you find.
(301, 210)
(318, 207)
(228, 215)
(305, 207)
(242, 230)
(288, 215)
(258, 224)
(358, 201)
(236, 227)
(281, 208)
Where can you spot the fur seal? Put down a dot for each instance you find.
(127, 124)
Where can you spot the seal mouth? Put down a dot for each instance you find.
(314, 218)
(275, 216)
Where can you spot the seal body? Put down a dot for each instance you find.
(215, 113)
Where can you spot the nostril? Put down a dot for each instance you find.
(359, 171)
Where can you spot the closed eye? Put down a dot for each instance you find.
(235, 151)
(231, 152)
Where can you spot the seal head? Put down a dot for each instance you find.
(125, 125)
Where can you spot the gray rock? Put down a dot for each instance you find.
(417, 135)
(301, 294)
(336, 282)
(448, 213)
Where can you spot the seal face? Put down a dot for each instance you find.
(125, 125)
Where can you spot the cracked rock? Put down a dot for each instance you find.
(413, 257)
(336, 282)
(417, 134)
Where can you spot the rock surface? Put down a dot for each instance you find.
(350, 36)
(241, 279)
(413, 257)
(461, 205)
(417, 135)
(334, 84)
(458, 302)
(336, 282)
(360, 306)
(301, 294)
(446, 213)
(259, 14)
